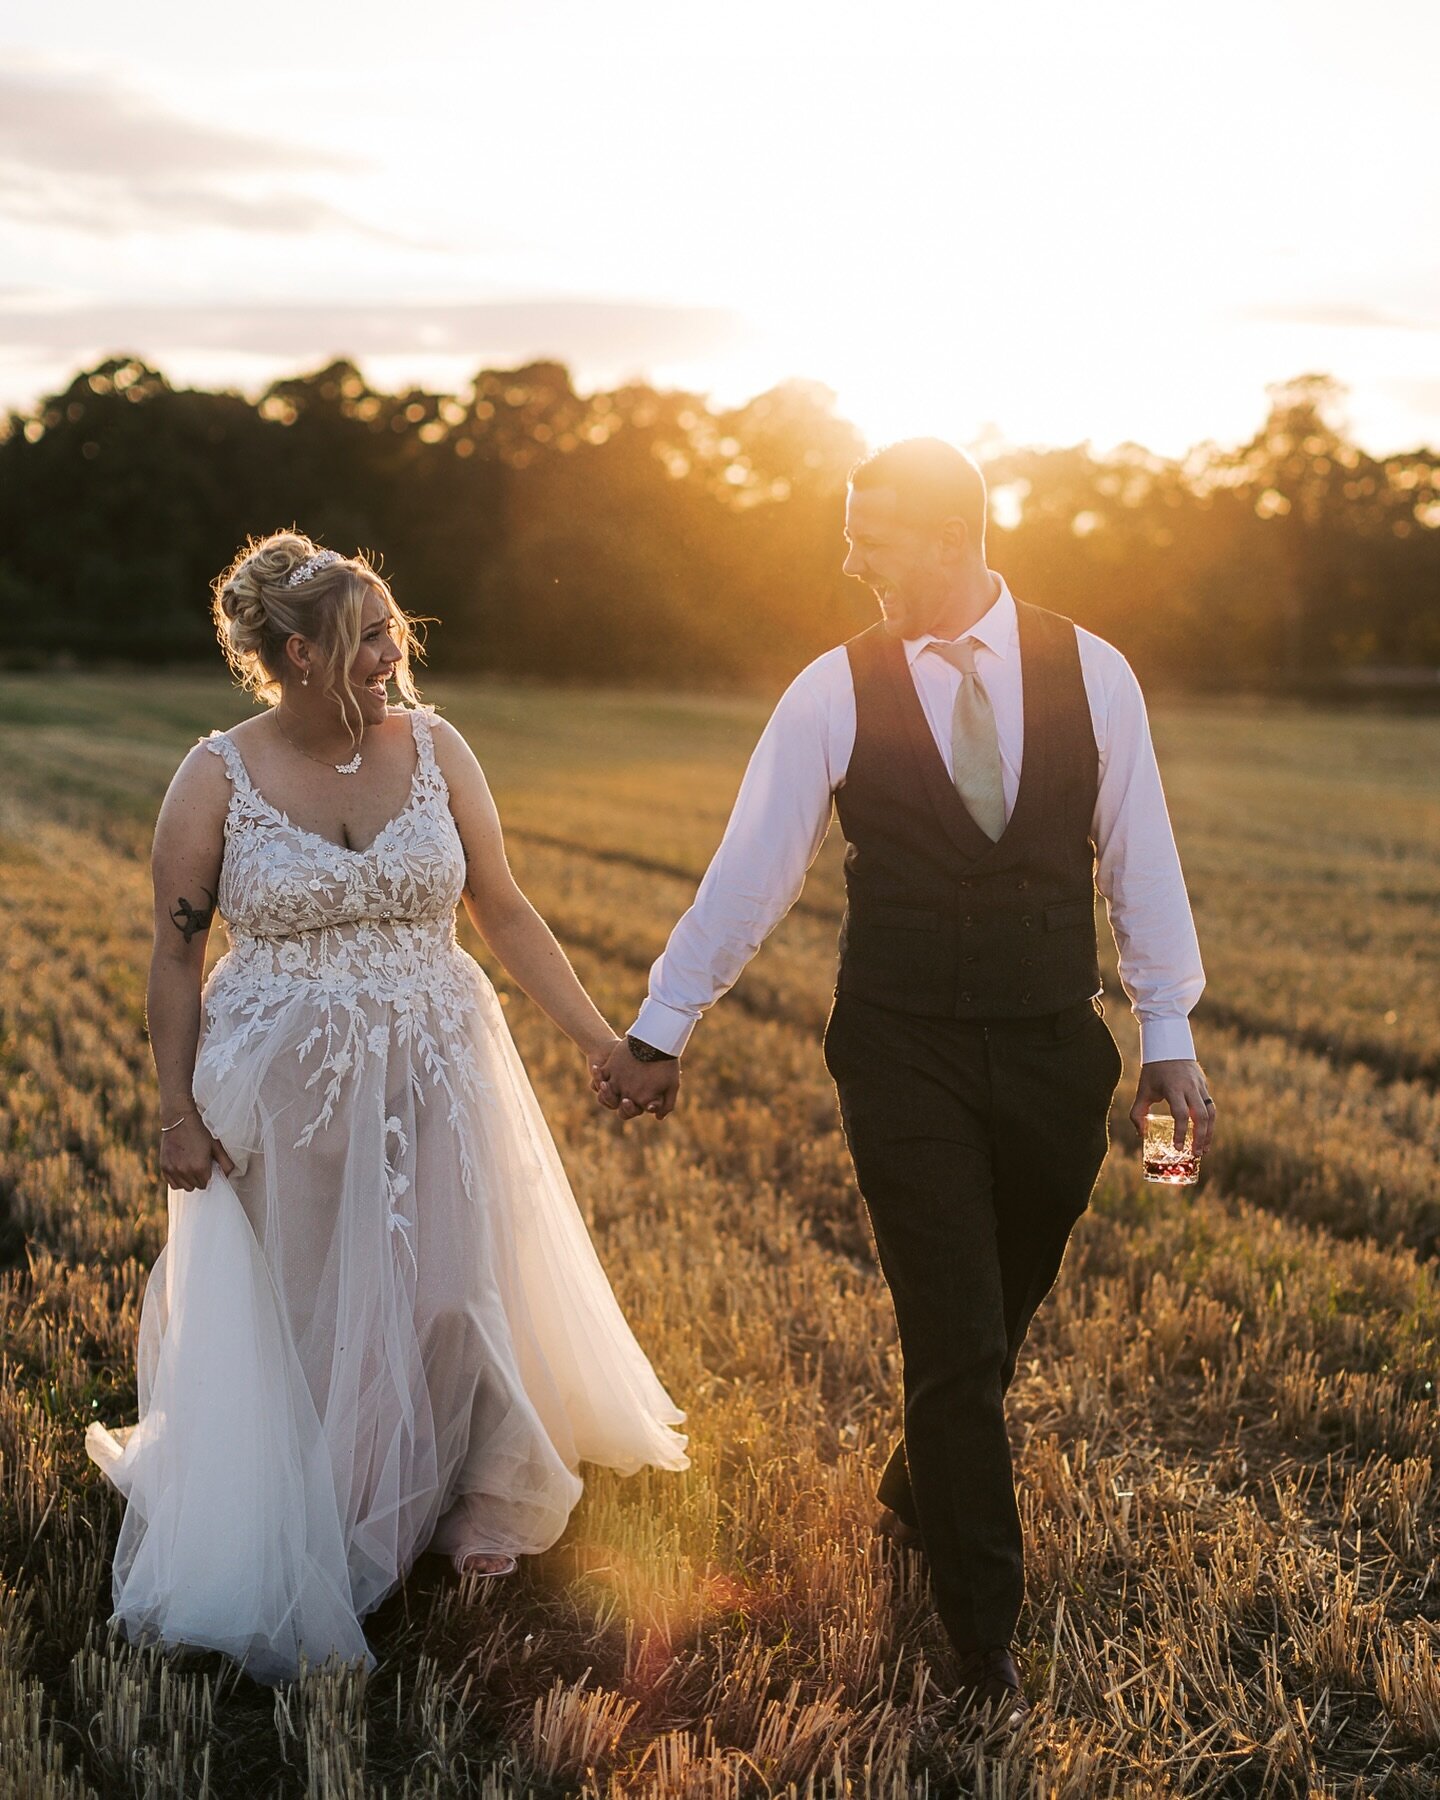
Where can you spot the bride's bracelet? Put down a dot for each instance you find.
(180, 1121)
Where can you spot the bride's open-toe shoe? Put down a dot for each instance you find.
(484, 1563)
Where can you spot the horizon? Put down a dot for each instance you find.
(984, 446)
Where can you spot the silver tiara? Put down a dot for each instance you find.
(312, 565)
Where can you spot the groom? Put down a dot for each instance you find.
(990, 765)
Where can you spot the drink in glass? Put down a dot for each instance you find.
(1161, 1160)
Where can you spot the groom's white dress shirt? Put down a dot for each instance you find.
(783, 811)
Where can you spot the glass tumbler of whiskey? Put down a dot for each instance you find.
(1162, 1160)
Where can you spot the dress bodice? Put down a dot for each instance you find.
(278, 880)
(358, 943)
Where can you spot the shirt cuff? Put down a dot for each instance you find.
(664, 1027)
(1165, 1038)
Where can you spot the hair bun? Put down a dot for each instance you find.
(244, 606)
(270, 563)
(266, 567)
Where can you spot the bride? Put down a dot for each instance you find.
(378, 1325)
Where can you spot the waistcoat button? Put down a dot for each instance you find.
(966, 998)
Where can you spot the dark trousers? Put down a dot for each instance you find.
(976, 1146)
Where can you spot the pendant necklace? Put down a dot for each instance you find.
(345, 768)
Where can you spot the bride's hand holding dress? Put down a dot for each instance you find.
(185, 858)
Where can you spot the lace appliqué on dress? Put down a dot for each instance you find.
(365, 937)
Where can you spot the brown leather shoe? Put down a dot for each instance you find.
(891, 1525)
(989, 1690)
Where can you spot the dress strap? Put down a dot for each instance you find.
(220, 743)
(421, 718)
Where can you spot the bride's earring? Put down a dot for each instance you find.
(304, 681)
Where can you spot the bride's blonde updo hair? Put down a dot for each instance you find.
(256, 610)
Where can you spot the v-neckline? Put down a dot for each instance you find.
(319, 837)
(954, 815)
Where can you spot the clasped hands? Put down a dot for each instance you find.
(630, 1087)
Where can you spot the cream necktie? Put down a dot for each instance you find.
(974, 744)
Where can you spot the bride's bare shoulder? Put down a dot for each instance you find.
(255, 726)
(202, 781)
(460, 768)
(451, 744)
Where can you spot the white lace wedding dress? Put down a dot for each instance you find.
(388, 1331)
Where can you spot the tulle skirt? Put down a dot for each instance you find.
(387, 1332)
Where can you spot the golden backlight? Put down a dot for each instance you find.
(1109, 221)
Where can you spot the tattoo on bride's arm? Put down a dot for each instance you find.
(191, 919)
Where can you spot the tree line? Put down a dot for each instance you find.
(640, 535)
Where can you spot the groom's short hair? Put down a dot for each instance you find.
(932, 481)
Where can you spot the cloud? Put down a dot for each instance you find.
(82, 153)
(87, 126)
(1342, 315)
(603, 333)
(110, 209)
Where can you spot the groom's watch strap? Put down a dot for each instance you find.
(643, 1052)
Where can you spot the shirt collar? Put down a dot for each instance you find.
(998, 629)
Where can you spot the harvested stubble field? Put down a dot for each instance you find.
(1225, 1425)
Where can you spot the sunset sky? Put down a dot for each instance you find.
(1058, 221)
